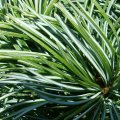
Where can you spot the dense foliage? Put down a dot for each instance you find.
(59, 59)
